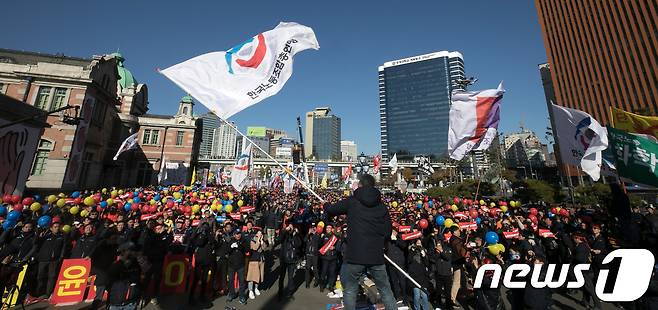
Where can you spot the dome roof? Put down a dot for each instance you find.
(126, 78)
(187, 99)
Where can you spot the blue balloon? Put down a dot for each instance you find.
(182, 191)
(136, 200)
(550, 214)
(440, 220)
(220, 219)
(3, 210)
(224, 202)
(44, 221)
(37, 197)
(491, 237)
(478, 220)
(103, 204)
(431, 203)
(44, 208)
(75, 194)
(127, 206)
(8, 224)
(14, 216)
(157, 198)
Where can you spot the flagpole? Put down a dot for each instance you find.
(612, 123)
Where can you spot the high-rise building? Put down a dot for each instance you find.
(602, 54)
(322, 140)
(224, 142)
(414, 104)
(525, 149)
(210, 123)
(348, 150)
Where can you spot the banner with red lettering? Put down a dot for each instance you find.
(235, 216)
(404, 229)
(175, 271)
(72, 282)
(468, 225)
(332, 241)
(511, 234)
(247, 209)
(413, 235)
(546, 233)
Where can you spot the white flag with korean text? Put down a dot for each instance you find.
(393, 163)
(581, 139)
(240, 172)
(230, 81)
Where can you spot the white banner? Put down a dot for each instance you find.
(228, 82)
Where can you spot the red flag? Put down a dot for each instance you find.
(332, 241)
(413, 235)
(376, 163)
(348, 172)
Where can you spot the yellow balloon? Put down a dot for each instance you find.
(482, 203)
(152, 202)
(66, 228)
(228, 208)
(195, 194)
(104, 191)
(454, 208)
(166, 192)
(61, 202)
(213, 207)
(164, 200)
(500, 247)
(240, 203)
(61, 195)
(493, 204)
(89, 201)
(114, 193)
(202, 196)
(230, 196)
(120, 192)
(448, 223)
(558, 209)
(84, 213)
(52, 198)
(35, 206)
(195, 208)
(74, 210)
(321, 224)
(177, 195)
(110, 201)
(394, 204)
(503, 208)
(494, 249)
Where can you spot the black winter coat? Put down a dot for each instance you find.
(84, 247)
(51, 247)
(368, 226)
(123, 284)
(290, 246)
(395, 251)
(237, 249)
(312, 244)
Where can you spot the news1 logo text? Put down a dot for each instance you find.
(625, 275)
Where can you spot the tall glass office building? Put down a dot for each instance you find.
(414, 104)
(210, 122)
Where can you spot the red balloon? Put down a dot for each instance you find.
(140, 195)
(99, 209)
(318, 229)
(532, 218)
(423, 223)
(134, 207)
(153, 208)
(554, 210)
(564, 212)
(193, 200)
(97, 198)
(493, 211)
(18, 207)
(15, 198)
(77, 201)
(533, 211)
(170, 203)
(27, 201)
(131, 195)
(502, 203)
(145, 209)
(187, 209)
(6, 198)
(456, 200)
(474, 213)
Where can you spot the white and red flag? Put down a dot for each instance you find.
(474, 118)
(348, 173)
(376, 163)
(228, 82)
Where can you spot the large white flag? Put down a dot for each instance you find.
(474, 118)
(393, 163)
(240, 172)
(228, 82)
(581, 139)
(128, 144)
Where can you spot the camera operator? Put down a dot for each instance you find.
(123, 280)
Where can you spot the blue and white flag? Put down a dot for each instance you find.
(228, 82)
(240, 173)
(128, 144)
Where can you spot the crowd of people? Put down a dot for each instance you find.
(440, 242)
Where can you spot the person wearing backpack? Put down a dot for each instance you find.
(124, 290)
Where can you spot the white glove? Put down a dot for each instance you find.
(234, 245)
(393, 237)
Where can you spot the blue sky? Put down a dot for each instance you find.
(500, 40)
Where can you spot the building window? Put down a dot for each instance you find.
(43, 97)
(179, 138)
(155, 136)
(146, 139)
(41, 158)
(49, 98)
(144, 173)
(185, 110)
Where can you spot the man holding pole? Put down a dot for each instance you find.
(368, 226)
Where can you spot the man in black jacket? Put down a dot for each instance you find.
(49, 256)
(17, 249)
(222, 243)
(329, 259)
(154, 243)
(290, 245)
(236, 261)
(312, 246)
(441, 261)
(368, 226)
(123, 279)
(396, 252)
(204, 256)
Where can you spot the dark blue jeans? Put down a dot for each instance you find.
(351, 274)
